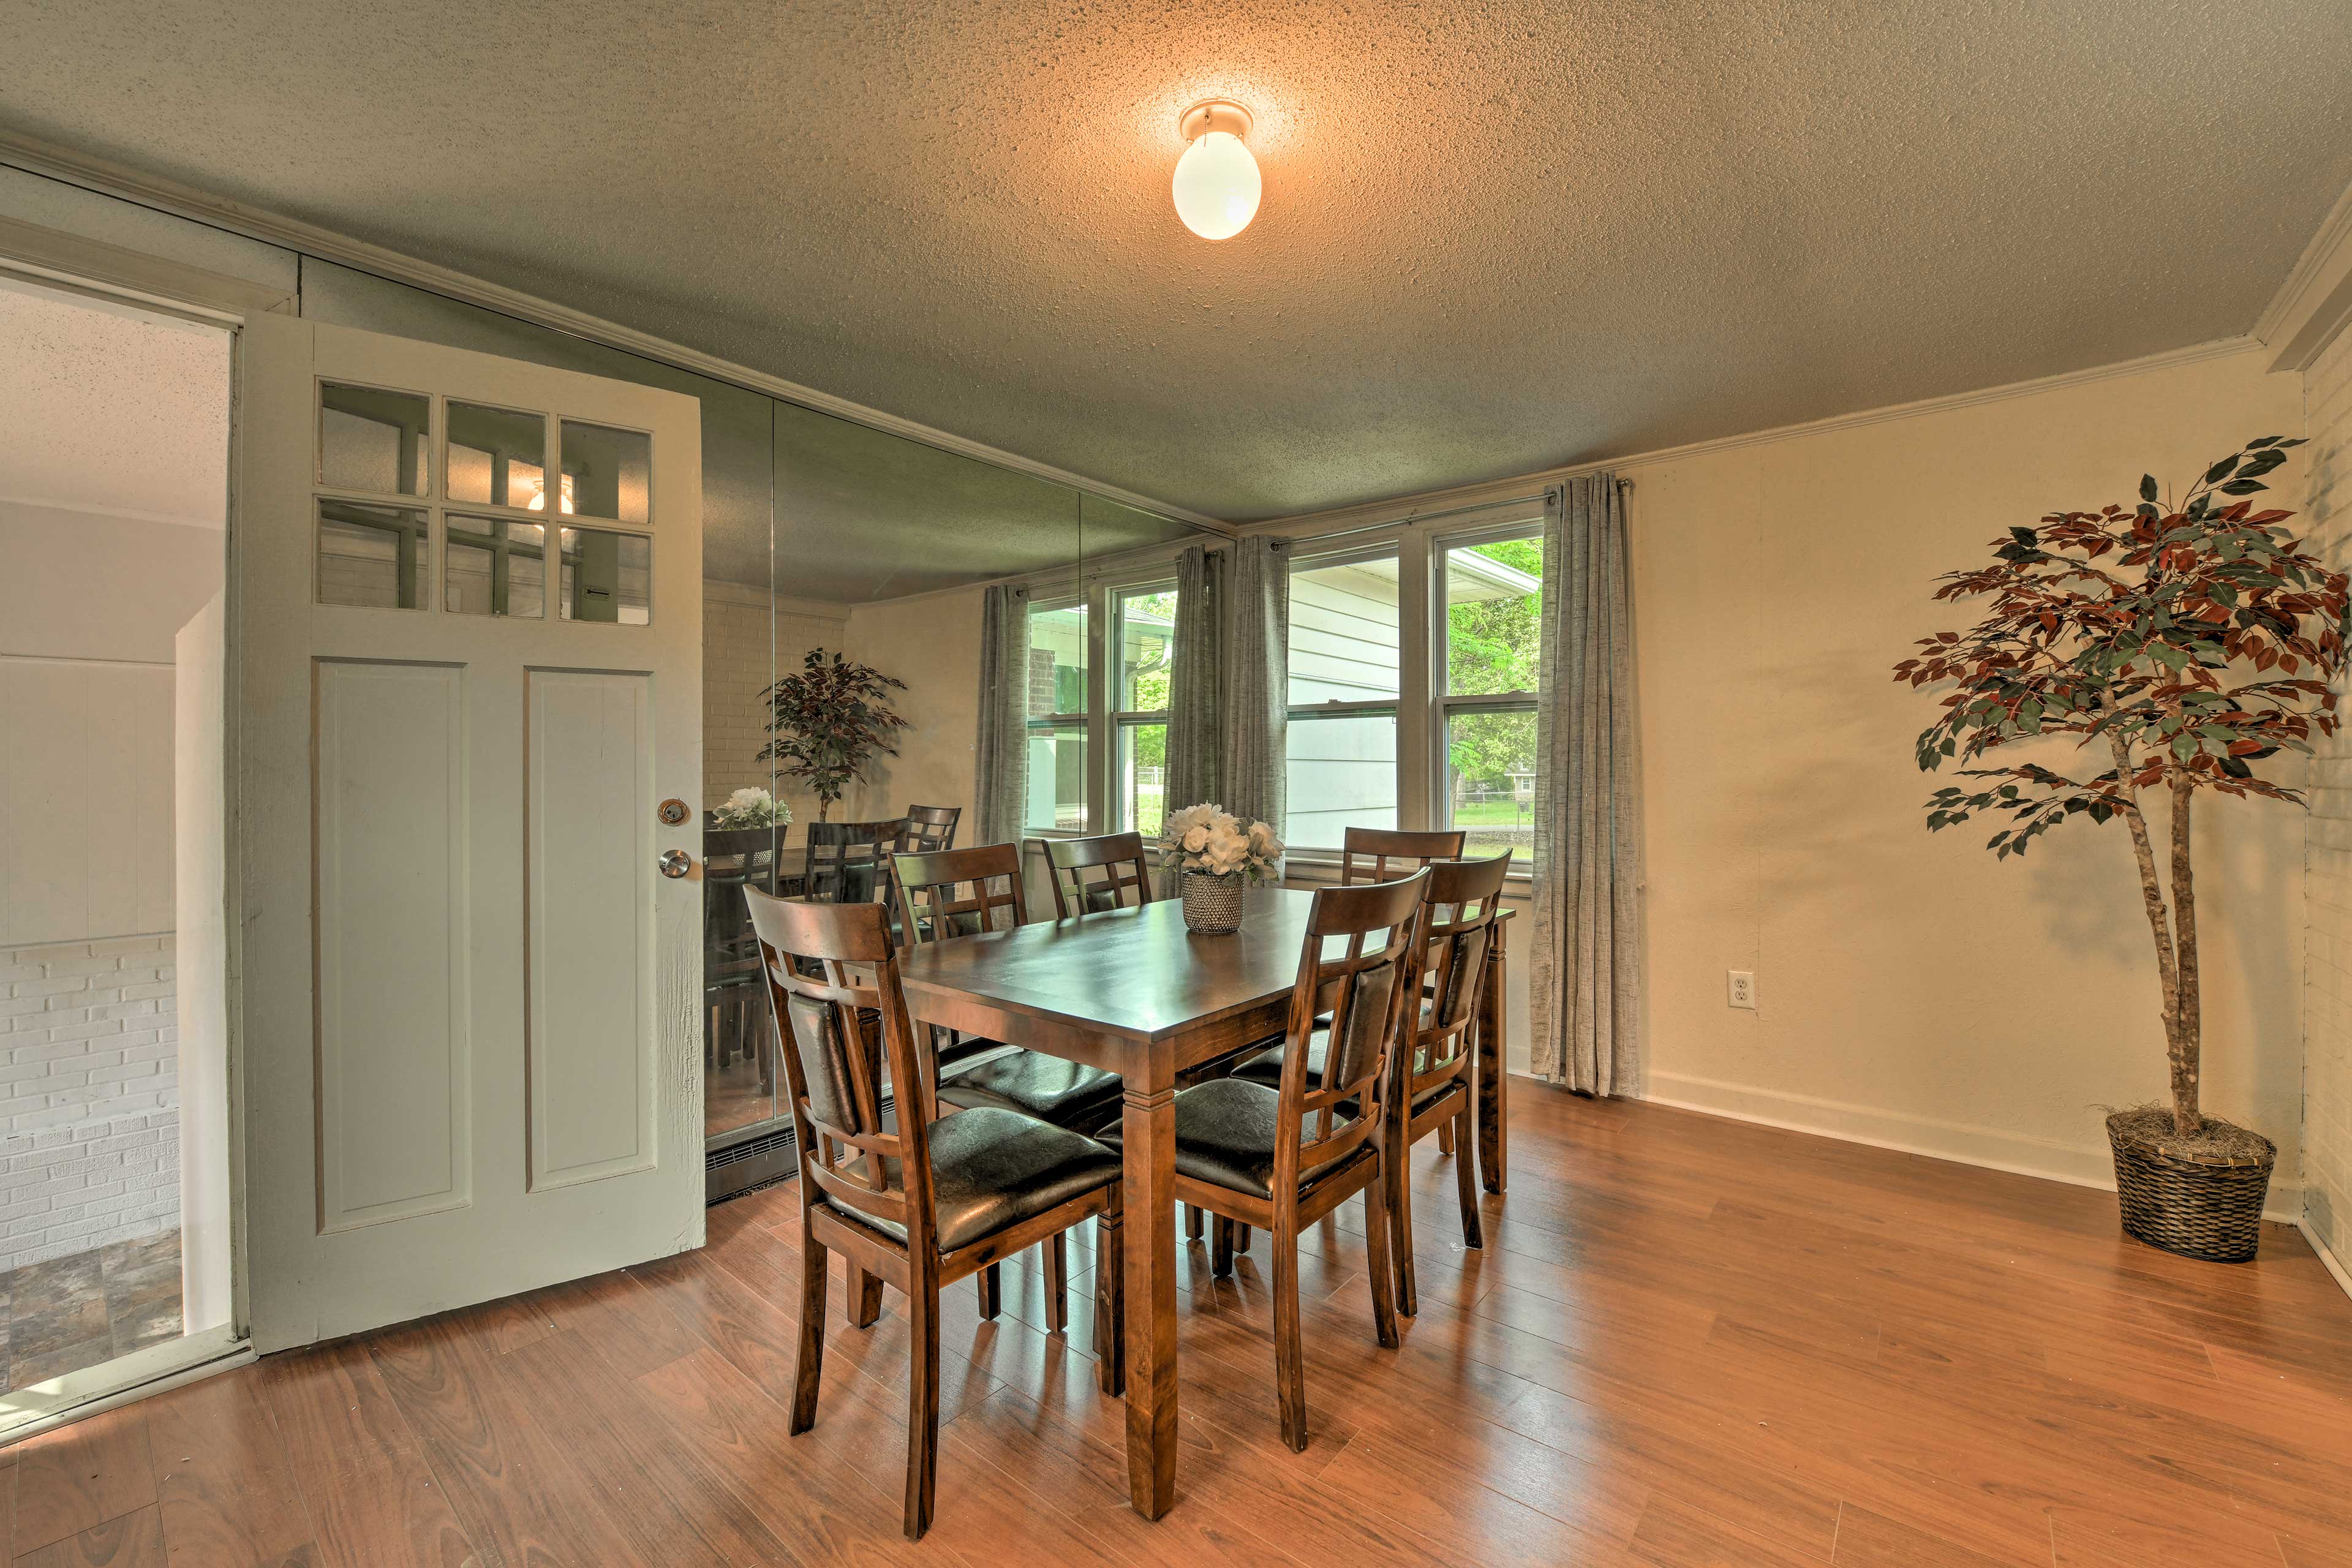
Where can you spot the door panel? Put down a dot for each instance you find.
(468, 1002)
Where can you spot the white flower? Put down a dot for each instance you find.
(1196, 840)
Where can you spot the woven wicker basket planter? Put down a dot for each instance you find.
(2208, 1210)
(1212, 905)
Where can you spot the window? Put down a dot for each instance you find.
(1144, 634)
(1058, 718)
(1345, 658)
(1493, 597)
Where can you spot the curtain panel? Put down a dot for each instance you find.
(1002, 788)
(1195, 744)
(1584, 978)
(1257, 691)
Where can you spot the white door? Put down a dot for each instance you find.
(469, 1000)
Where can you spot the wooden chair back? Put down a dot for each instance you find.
(1462, 902)
(1378, 853)
(849, 862)
(953, 892)
(1369, 989)
(929, 829)
(1119, 866)
(834, 1029)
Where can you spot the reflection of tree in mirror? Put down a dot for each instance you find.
(828, 722)
(1493, 646)
(1149, 654)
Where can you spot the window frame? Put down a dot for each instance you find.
(1444, 703)
(1120, 721)
(1389, 708)
(1084, 721)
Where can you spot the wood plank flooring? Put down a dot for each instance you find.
(1688, 1341)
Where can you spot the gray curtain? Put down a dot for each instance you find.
(1002, 789)
(1195, 745)
(1584, 981)
(1257, 682)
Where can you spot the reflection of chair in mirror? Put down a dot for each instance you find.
(733, 860)
(921, 1204)
(849, 862)
(930, 829)
(1122, 876)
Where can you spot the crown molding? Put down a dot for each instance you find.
(1401, 510)
(2315, 301)
(76, 168)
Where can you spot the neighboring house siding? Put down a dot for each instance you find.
(1343, 647)
(2327, 854)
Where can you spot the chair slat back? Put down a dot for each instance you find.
(961, 892)
(849, 862)
(1368, 986)
(835, 1026)
(1119, 866)
(929, 829)
(1464, 900)
(1378, 854)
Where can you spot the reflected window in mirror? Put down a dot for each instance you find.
(494, 567)
(376, 440)
(1144, 633)
(607, 576)
(1057, 718)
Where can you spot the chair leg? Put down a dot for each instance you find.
(865, 1307)
(1110, 1303)
(1057, 1283)
(1396, 1169)
(809, 1371)
(1466, 1173)
(1376, 1243)
(1192, 1222)
(1221, 1247)
(922, 1406)
(1241, 1237)
(1446, 1143)
(991, 1286)
(1289, 1366)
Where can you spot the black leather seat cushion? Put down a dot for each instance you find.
(1034, 1084)
(1267, 1070)
(1224, 1136)
(993, 1169)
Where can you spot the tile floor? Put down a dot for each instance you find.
(73, 1312)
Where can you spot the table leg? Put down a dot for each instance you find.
(1493, 1080)
(1148, 1127)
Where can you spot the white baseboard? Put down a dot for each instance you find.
(2334, 1264)
(1989, 1147)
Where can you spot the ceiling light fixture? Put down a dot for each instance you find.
(1217, 185)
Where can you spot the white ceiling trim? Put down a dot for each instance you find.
(39, 157)
(2315, 301)
(1405, 510)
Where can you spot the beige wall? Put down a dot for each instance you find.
(2327, 845)
(1913, 990)
(743, 652)
(932, 643)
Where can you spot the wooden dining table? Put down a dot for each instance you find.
(1133, 992)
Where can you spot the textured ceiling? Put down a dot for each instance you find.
(1494, 236)
(111, 410)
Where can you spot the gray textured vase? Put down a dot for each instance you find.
(1212, 905)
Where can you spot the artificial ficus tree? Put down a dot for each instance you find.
(828, 722)
(2180, 644)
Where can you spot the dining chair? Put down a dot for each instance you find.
(1437, 1043)
(1280, 1158)
(924, 1204)
(734, 858)
(1120, 865)
(849, 862)
(929, 829)
(1377, 854)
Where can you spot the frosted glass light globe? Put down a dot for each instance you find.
(1217, 186)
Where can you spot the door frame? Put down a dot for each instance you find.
(74, 264)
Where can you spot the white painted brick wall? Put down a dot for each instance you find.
(2328, 840)
(89, 1096)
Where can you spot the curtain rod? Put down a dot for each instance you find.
(1410, 519)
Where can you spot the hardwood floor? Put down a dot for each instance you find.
(1687, 1341)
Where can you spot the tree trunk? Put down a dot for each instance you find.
(2188, 1027)
(2151, 892)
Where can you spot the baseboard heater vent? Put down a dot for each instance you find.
(754, 1162)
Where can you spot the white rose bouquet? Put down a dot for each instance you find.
(750, 808)
(1212, 841)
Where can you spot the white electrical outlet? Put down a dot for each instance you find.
(1743, 989)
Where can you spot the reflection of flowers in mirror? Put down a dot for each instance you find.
(1211, 840)
(750, 808)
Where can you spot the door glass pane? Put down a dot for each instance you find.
(1342, 774)
(497, 456)
(1490, 783)
(372, 556)
(371, 440)
(1147, 642)
(494, 567)
(1142, 774)
(1494, 617)
(1343, 632)
(1057, 778)
(607, 472)
(607, 576)
(1057, 660)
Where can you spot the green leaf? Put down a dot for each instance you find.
(2148, 487)
(2222, 471)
